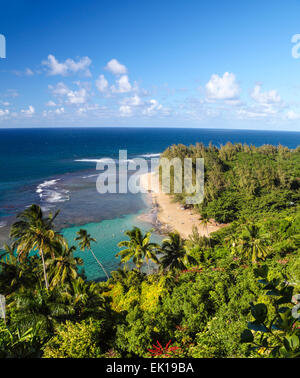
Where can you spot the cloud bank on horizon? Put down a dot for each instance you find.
(222, 97)
(58, 89)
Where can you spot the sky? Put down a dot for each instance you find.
(160, 63)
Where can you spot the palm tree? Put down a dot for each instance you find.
(195, 239)
(63, 268)
(85, 240)
(138, 248)
(254, 244)
(33, 232)
(46, 307)
(15, 275)
(85, 298)
(174, 253)
(119, 275)
(205, 222)
(232, 242)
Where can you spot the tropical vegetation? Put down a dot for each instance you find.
(233, 293)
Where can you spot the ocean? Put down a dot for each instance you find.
(56, 168)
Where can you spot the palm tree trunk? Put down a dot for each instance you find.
(99, 263)
(208, 235)
(44, 268)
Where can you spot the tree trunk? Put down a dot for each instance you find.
(99, 263)
(44, 268)
(208, 236)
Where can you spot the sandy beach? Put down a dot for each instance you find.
(171, 216)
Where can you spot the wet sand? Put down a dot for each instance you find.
(167, 215)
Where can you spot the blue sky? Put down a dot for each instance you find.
(180, 63)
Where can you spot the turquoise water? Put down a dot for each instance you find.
(56, 169)
(108, 234)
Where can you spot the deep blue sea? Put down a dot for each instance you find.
(56, 168)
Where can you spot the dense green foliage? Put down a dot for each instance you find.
(229, 295)
(242, 180)
(277, 334)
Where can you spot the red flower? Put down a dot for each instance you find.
(283, 262)
(163, 351)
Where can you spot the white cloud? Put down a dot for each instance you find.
(67, 67)
(71, 97)
(135, 106)
(51, 103)
(153, 107)
(115, 67)
(10, 93)
(77, 97)
(250, 113)
(123, 85)
(132, 101)
(87, 108)
(135, 100)
(266, 104)
(4, 112)
(222, 88)
(125, 110)
(59, 110)
(129, 103)
(265, 98)
(28, 112)
(102, 84)
(291, 115)
(60, 89)
(28, 72)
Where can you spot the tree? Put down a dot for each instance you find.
(85, 240)
(232, 242)
(253, 244)
(63, 268)
(85, 298)
(20, 344)
(77, 340)
(15, 274)
(138, 248)
(205, 222)
(39, 306)
(174, 253)
(33, 232)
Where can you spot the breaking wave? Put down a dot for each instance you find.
(49, 192)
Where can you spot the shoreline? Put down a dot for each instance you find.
(168, 216)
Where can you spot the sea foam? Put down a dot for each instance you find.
(49, 192)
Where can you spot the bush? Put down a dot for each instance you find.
(76, 340)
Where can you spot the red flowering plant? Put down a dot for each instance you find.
(192, 270)
(167, 351)
(283, 261)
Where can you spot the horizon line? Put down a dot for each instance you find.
(145, 127)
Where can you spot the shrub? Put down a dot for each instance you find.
(76, 340)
